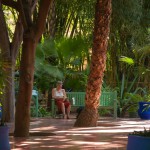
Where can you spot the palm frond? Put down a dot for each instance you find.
(127, 60)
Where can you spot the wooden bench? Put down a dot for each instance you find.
(107, 100)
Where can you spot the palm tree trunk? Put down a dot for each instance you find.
(89, 115)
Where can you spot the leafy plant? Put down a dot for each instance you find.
(146, 98)
(145, 133)
(129, 91)
(62, 59)
(42, 112)
(46, 65)
(104, 112)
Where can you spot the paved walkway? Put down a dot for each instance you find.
(53, 134)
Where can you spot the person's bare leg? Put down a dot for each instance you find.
(63, 109)
(68, 111)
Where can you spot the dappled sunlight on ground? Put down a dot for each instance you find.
(60, 134)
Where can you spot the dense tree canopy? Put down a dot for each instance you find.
(64, 49)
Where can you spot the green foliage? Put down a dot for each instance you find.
(127, 89)
(132, 100)
(127, 16)
(104, 112)
(142, 57)
(147, 98)
(133, 109)
(107, 88)
(42, 112)
(46, 65)
(72, 51)
(77, 82)
(11, 16)
(145, 133)
(127, 60)
(129, 33)
(62, 59)
(135, 98)
(132, 97)
(75, 18)
(129, 94)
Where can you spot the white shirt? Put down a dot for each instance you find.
(59, 93)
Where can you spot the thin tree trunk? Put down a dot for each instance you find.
(30, 39)
(9, 93)
(15, 45)
(5, 52)
(52, 19)
(25, 89)
(89, 115)
(9, 54)
(51, 29)
(74, 26)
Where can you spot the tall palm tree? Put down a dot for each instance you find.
(89, 115)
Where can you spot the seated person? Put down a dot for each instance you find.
(61, 100)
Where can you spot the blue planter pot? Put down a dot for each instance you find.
(138, 143)
(4, 138)
(142, 112)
